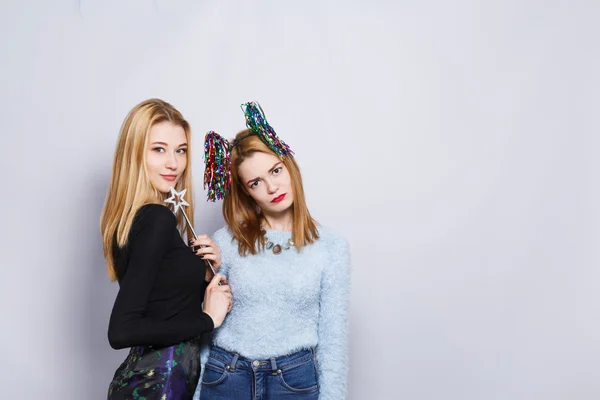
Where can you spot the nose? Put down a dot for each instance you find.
(171, 162)
(271, 187)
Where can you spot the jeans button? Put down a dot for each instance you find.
(256, 363)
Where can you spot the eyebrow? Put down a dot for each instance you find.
(167, 145)
(270, 170)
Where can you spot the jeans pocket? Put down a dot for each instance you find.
(300, 378)
(213, 375)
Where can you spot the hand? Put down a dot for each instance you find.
(217, 299)
(206, 248)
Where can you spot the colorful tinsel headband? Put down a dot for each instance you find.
(257, 122)
(217, 174)
(217, 151)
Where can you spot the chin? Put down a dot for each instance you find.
(164, 188)
(281, 207)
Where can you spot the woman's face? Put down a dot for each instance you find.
(266, 179)
(166, 156)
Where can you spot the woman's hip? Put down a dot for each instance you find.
(230, 376)
(155, 372)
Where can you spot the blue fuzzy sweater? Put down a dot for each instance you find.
(287, 302)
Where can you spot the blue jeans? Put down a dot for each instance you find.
(228, 376)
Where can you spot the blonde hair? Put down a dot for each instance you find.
(130, 187)
(242, 214)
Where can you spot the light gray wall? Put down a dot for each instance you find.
(453, 143)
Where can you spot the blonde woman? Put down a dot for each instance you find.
(162, 283)
(286, 335)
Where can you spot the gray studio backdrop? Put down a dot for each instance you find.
(454, 144)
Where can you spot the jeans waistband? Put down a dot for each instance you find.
(233, 360)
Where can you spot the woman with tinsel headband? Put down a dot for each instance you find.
(286, 335)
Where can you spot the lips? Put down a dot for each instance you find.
(169, 178)
(279, 198)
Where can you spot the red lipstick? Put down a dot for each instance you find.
(279, 198)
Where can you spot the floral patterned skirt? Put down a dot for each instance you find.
(150, 373)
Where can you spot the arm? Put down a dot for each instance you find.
(332, 348)
(129, 326)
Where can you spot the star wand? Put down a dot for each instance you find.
(178, 203)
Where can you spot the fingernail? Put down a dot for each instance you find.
(190, 242)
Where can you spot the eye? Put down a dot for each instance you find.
(277, 170)
(182, 151)
(158, 149)
(254, 184)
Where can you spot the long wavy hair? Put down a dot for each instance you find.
(242, 214)
(130, 187)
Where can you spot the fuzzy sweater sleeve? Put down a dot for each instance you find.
(332, 348)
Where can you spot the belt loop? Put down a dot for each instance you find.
(234, 361)
(274, 367)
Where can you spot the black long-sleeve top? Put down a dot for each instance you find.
(161, 285)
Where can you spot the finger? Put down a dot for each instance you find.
(214, 282)
(203, 240)
(225, 289)
(222, 282)
(208, 257)
(212, 256)
(205, 250)
(197, 251)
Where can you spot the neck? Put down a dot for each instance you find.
(283, 221)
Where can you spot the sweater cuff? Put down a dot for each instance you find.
(208, 322)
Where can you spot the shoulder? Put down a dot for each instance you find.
(223, 232)
(154, 215)
(338, 251)
(155, 220)
(223, 235)
(334, 244)
(331, 238)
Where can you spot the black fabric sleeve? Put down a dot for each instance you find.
(129, 326)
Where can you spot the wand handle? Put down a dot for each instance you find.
(196, 237)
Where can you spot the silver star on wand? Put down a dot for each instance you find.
(178, 203)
